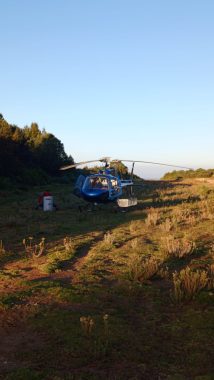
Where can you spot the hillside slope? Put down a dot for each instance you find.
(108, 295)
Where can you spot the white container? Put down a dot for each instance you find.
(124, 203)
(48, 203)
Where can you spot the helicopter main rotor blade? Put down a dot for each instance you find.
(156, 163)
(77, 164)
(104, 159)
(108, 160)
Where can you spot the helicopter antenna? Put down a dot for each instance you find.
(132, 172)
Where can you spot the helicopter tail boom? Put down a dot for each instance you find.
(126, 182)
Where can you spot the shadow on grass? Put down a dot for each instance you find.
(171, 202)
(177, 264)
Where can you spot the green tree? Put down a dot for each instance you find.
(51, 154)
(25, 151)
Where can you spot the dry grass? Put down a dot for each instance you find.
(141, 268)
(87, 324)
(167, 225)
(2, 249)
(108, 241)
(68, 243)
(206, 210)
(192, 219)
(34, 250)
(135, 244)
(93, 275)
(211, 277)
(153, 217)
(135, 226)
(181, 213)
(177, 247)
(187, 284)
(184, 215)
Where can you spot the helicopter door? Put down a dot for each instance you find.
(115, 188)
(79, 185)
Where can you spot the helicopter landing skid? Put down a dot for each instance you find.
(125, 203)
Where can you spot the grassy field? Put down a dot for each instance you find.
(104, 294)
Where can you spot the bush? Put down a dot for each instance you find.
(6, 183)
(182, 174)
(34, 177)
(153, 217)
(177, 247)
(142, 269)
(187, 284)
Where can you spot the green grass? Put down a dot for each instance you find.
(112, 269)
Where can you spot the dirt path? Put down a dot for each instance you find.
(29, 271)
(73, 267)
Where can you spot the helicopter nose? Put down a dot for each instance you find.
(96, 195)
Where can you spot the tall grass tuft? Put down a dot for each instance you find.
(187, 284)
(34, 250)
(68, 243)
(177, 247)
(137, 245)
(134, 226)
(181, 213)
(153, 217)
(141, 268)
(211, 277)
(2, 249)
(87, 324)
(167, 225)
(108, 241)
(206, 210)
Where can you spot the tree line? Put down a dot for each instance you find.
(28, 154)
(184, 174)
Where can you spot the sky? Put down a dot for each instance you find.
(130, 79)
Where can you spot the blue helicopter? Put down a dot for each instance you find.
(106, 185)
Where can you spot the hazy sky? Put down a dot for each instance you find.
(122, 78)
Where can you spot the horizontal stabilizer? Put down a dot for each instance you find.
(126, 182)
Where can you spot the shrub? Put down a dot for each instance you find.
(187, 284)
(153, 217)
(182, 214)
(211, 277)
(2, 249)
(166, 226)
(108, 241)
(204, 192)
(137, 244)
(142, 269)
(68, 243)
(31, 249)
(181, 174)
(134, 226)
(192, 219)
(177, 247)
(87, 324)
(34, 176)
(206, 210)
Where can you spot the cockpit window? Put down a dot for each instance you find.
(97, 183)
(114, 183)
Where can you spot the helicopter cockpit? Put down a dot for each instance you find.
(96, 183)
